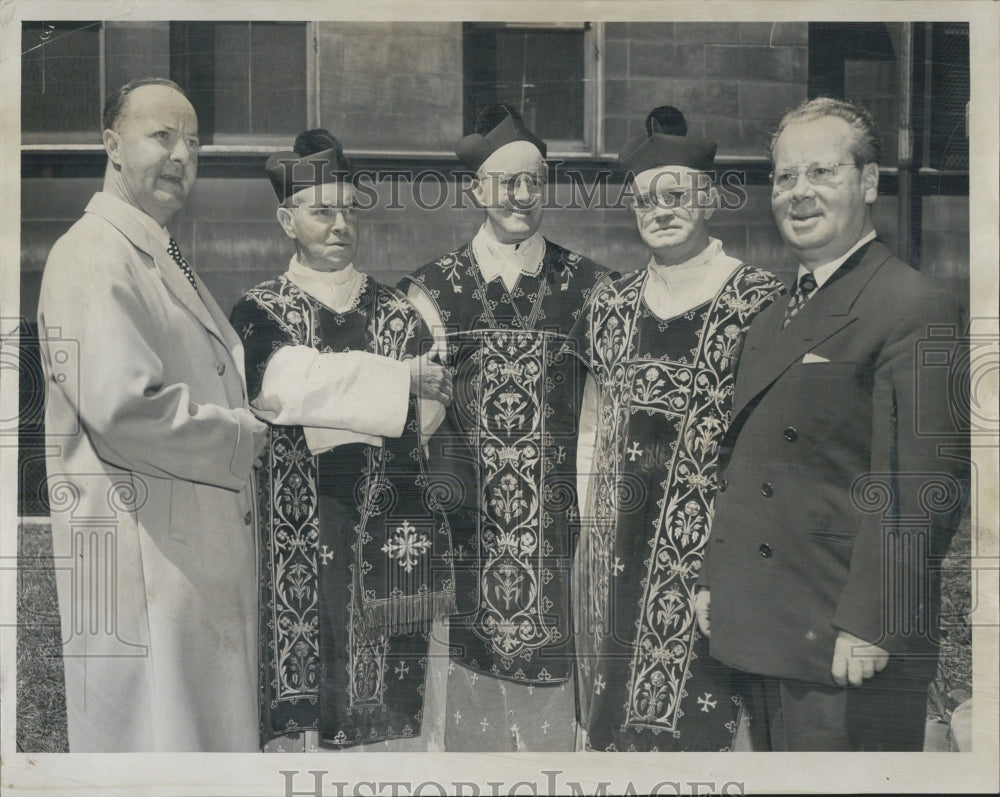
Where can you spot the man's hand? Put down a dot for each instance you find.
(702, 602)
(428, 380)
(855, 660)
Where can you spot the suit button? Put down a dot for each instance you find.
(765, 551)
(766, 490)
(723, 484)
(247, 518)
(790, 434)
(221, 368)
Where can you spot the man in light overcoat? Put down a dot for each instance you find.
(153, 455)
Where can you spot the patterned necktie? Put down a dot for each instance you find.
(175, 253)
(804, 288)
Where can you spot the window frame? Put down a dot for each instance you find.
(590, 146)
(593, 43)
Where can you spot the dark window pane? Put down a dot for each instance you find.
(243, 78)
(192, 66)
(61, 78)
(538, 71)
(949, 75)
(277, 77)
(134, 50)
(858, 61)
(232, 85)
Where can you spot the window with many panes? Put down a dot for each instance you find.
(247, 80)
(543, 70)
(384, 87)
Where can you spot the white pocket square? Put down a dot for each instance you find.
(813, 358)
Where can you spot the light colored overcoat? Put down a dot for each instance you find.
(150, 467)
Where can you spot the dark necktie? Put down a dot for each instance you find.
(175, 253)
(804, 288)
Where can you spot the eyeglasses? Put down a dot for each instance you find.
(676, 198)
(329, 211)
(816, 174)
(510, 185)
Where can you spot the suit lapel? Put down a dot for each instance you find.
(770, 350)
(116, 213)
(199, 303)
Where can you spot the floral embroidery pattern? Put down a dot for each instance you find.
(613, 322)
(661, 659)
(696, 394)
(514, 531)
(290, 536)
(511, 417)
(368, 671)
(407, 546)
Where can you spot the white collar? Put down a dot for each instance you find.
(673, 290)
(507, 261)
(824, 272)
(338, 290)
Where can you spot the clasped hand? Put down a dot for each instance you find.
(429, 380)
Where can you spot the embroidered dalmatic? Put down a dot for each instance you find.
(355, 553)
(646, 680)
(503, 458)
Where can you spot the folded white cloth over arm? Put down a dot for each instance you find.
(338, 397)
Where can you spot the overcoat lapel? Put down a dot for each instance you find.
(199, 303)
(771, 350)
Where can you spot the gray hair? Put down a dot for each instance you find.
(867, 144)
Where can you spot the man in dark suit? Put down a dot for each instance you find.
(843, 473)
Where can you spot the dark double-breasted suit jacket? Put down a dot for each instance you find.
(842, 476)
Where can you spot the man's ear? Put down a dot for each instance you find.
(286, 220)
(869, 180)
(711, 201)
(112, 145)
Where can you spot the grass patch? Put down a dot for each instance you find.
(41, 697)
(41, 693)
(953, 684)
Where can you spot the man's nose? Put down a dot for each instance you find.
(182, 152)
(662, 209)
(802, 188)
(521, 192)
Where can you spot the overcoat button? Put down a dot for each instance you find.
(723, 484)
(766, 490)
(791, 434)
(765, 551)
(247, 518)
(221, 368)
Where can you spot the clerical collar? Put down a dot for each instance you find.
(824, 272)
(507, 261)
(706, 255)
(338, 290)
(681, 287)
